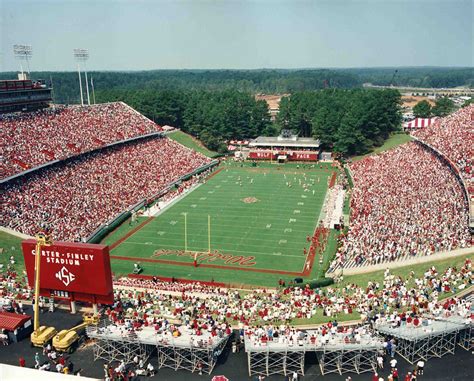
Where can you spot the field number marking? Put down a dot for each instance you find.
(193, 205)
(296, 211)
(300, 203)
(161, 233)
(269, 226)
(276, 253)
(288, 230)
(292, 220)
(303, 196)
(173, 222)
(282, 241)
(203, 198)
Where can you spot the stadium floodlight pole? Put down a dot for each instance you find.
(93, 91)
(23, 52)
(82, 55)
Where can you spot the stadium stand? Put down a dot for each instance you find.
(453, 136)
(78, 195)
(147, 299)
(28, 140)
(406, 202)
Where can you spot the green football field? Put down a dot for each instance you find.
(260, 218)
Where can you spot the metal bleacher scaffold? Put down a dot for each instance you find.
(336, 353)
(433, 337)
(189, 352)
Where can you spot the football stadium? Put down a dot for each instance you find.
(235, 224)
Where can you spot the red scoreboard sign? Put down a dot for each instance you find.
(76, 271)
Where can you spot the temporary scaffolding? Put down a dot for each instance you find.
(187, 351)
(466, 338)
(195, 354)
(433, 338)
(112, 344)
(336, 353)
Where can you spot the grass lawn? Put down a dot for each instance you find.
(11, 245)
(393, 141)
(191, 142)
(259, 227)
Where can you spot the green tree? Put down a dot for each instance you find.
(422, 109)
(443, 107)
(467, 102)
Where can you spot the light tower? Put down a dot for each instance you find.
(23, 53)
(82, 55)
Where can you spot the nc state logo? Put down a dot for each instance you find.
(65, 276)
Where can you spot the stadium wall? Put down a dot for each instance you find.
(109, 226)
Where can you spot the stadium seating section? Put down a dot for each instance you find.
(78, 196)
(31, 139)
(453, 137)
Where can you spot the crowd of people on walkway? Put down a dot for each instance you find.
(405, 203)
(288, 305)
(77, 197)
(31, 139)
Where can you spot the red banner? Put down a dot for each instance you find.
(262, 155)
(291, 155)
(304, 156)
(77, 271)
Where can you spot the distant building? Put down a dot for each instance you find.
(23, 95)
(286, 147)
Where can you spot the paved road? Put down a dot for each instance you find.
(234, 366)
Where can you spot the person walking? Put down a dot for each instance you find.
(380, 361)
(419, 367)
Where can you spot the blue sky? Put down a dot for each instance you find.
(139, 34)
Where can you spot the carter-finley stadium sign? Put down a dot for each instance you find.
(213, 256)
(79, 270)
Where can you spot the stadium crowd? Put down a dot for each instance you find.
(31, 139)
(185, 302)
(453, 137)
(405, 202)
(77, 197)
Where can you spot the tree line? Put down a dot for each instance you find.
(214, 117)
(346, 121)
(442, 107)
(349, 122)
(269, 81)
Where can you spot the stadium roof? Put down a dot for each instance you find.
(11, 321)
(279, 141)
